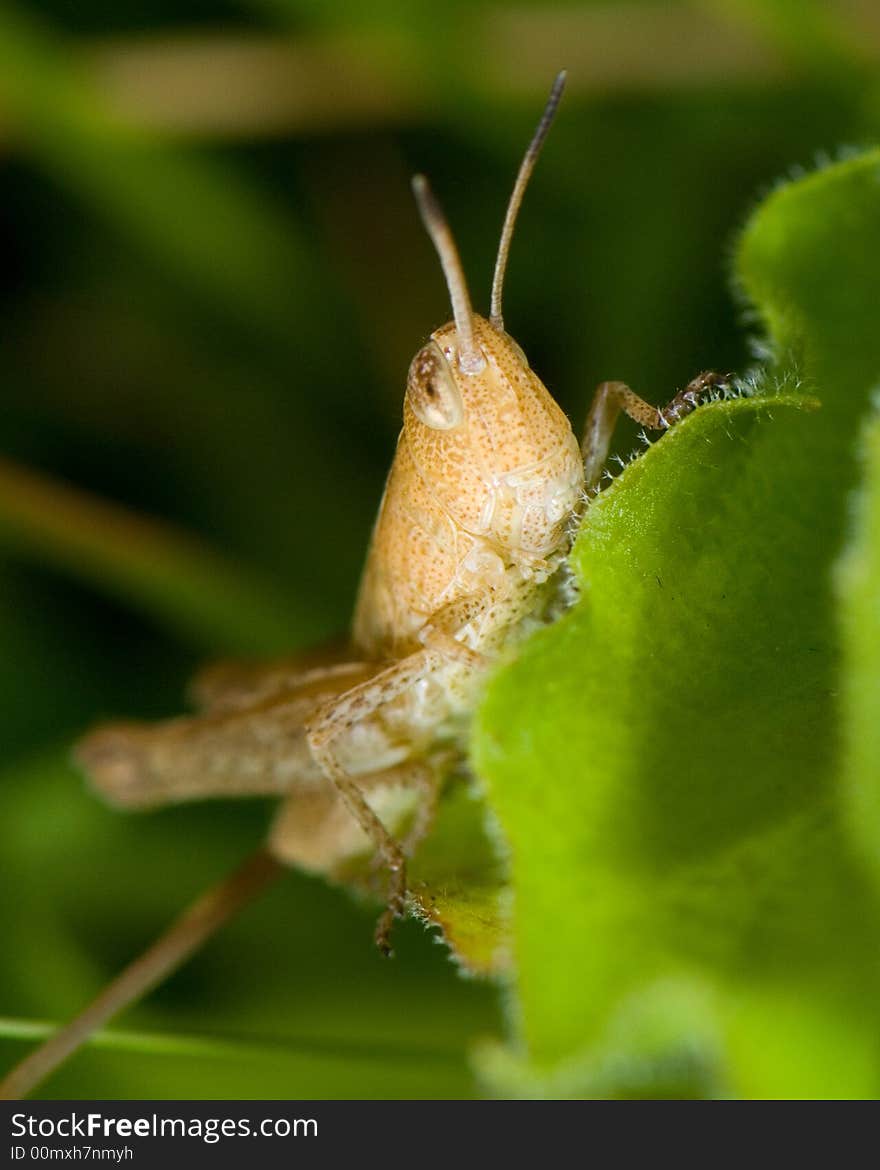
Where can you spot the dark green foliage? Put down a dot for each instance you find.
(215, 333)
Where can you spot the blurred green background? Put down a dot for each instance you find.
(213, 280)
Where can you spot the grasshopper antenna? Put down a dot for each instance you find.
(525, 173)
(185, 935)
(469, 357)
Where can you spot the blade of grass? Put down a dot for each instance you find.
(230, 1047)
(163, 572)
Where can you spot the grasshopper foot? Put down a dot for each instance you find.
(694, 394)
(395, 908)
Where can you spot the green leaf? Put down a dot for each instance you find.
(672, 807)
(458, 884)
(859, 582)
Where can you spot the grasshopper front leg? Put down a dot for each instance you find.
(613, 397)
(341, 714)
(315, 831)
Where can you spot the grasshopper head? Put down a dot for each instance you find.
(486, 436)
(497, 452)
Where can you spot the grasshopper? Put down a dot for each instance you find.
(470, 542)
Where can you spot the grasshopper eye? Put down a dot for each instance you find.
(432, 392)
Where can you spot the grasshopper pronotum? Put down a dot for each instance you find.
(473, 528)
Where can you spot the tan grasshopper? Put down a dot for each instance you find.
(472, 532)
